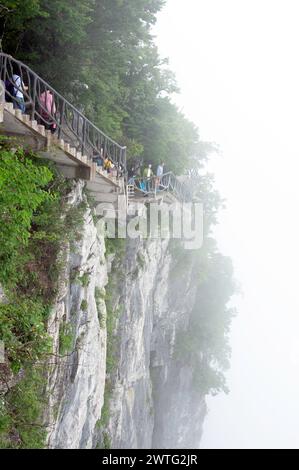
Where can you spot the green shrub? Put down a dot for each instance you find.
(66, 338)
(84, 279)
(84, 305)
(106, 441)
(22, 190)
(100, 295)
(36, 222)
(23, 331)
(21, 412)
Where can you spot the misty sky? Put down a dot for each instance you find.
(236, 62)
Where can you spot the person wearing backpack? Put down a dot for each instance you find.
(9, 91)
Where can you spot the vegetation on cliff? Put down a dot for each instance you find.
(34, 217)
(203, 344)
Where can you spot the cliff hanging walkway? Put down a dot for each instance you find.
(76, 140)
(168, 188)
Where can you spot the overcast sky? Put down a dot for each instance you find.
(236, 62)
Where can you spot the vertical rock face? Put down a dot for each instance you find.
(152, 404)
(77, 380)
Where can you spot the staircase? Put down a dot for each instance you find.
(75, 141)
(31, 134)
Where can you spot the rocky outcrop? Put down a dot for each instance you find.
(152, 403)
(77, 379)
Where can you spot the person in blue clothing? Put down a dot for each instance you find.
(98, 158)
(159, 174)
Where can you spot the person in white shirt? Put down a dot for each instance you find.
(19, 102)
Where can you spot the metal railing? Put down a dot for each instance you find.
(166, 183)
(28, 93)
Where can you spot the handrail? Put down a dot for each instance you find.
(168, 182)
(71, 125)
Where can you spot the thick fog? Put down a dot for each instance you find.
(237, 67)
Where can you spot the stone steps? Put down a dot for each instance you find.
(102, 187)
(40, 129)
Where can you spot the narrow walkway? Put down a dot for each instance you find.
(32, 111)
(155, 187)
(35, 103)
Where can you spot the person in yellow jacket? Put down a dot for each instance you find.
(147, 174)
(108, 164)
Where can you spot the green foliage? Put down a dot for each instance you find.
(84, 305)
(116, 246)
(33, 205)
(66, 338)
(209, 380)
(108, 46)
(22, 192)
(20, 412)
(85, 279)
(105, 412)
(114, 312)
(106, 441)
(23, 331)
(204, 345)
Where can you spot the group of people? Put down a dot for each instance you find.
(14, 92)
(106, 163)
(103, 162)
(47, 115)
(147, 181)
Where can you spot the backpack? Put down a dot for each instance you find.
(9, 91)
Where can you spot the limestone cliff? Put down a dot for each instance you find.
(77, 379)
(151, 400)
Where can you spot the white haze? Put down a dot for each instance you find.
(237, 65)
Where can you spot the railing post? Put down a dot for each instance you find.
(4, 67)
(61, 119)
(125, 158)
(83, 136)
(33, 98)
